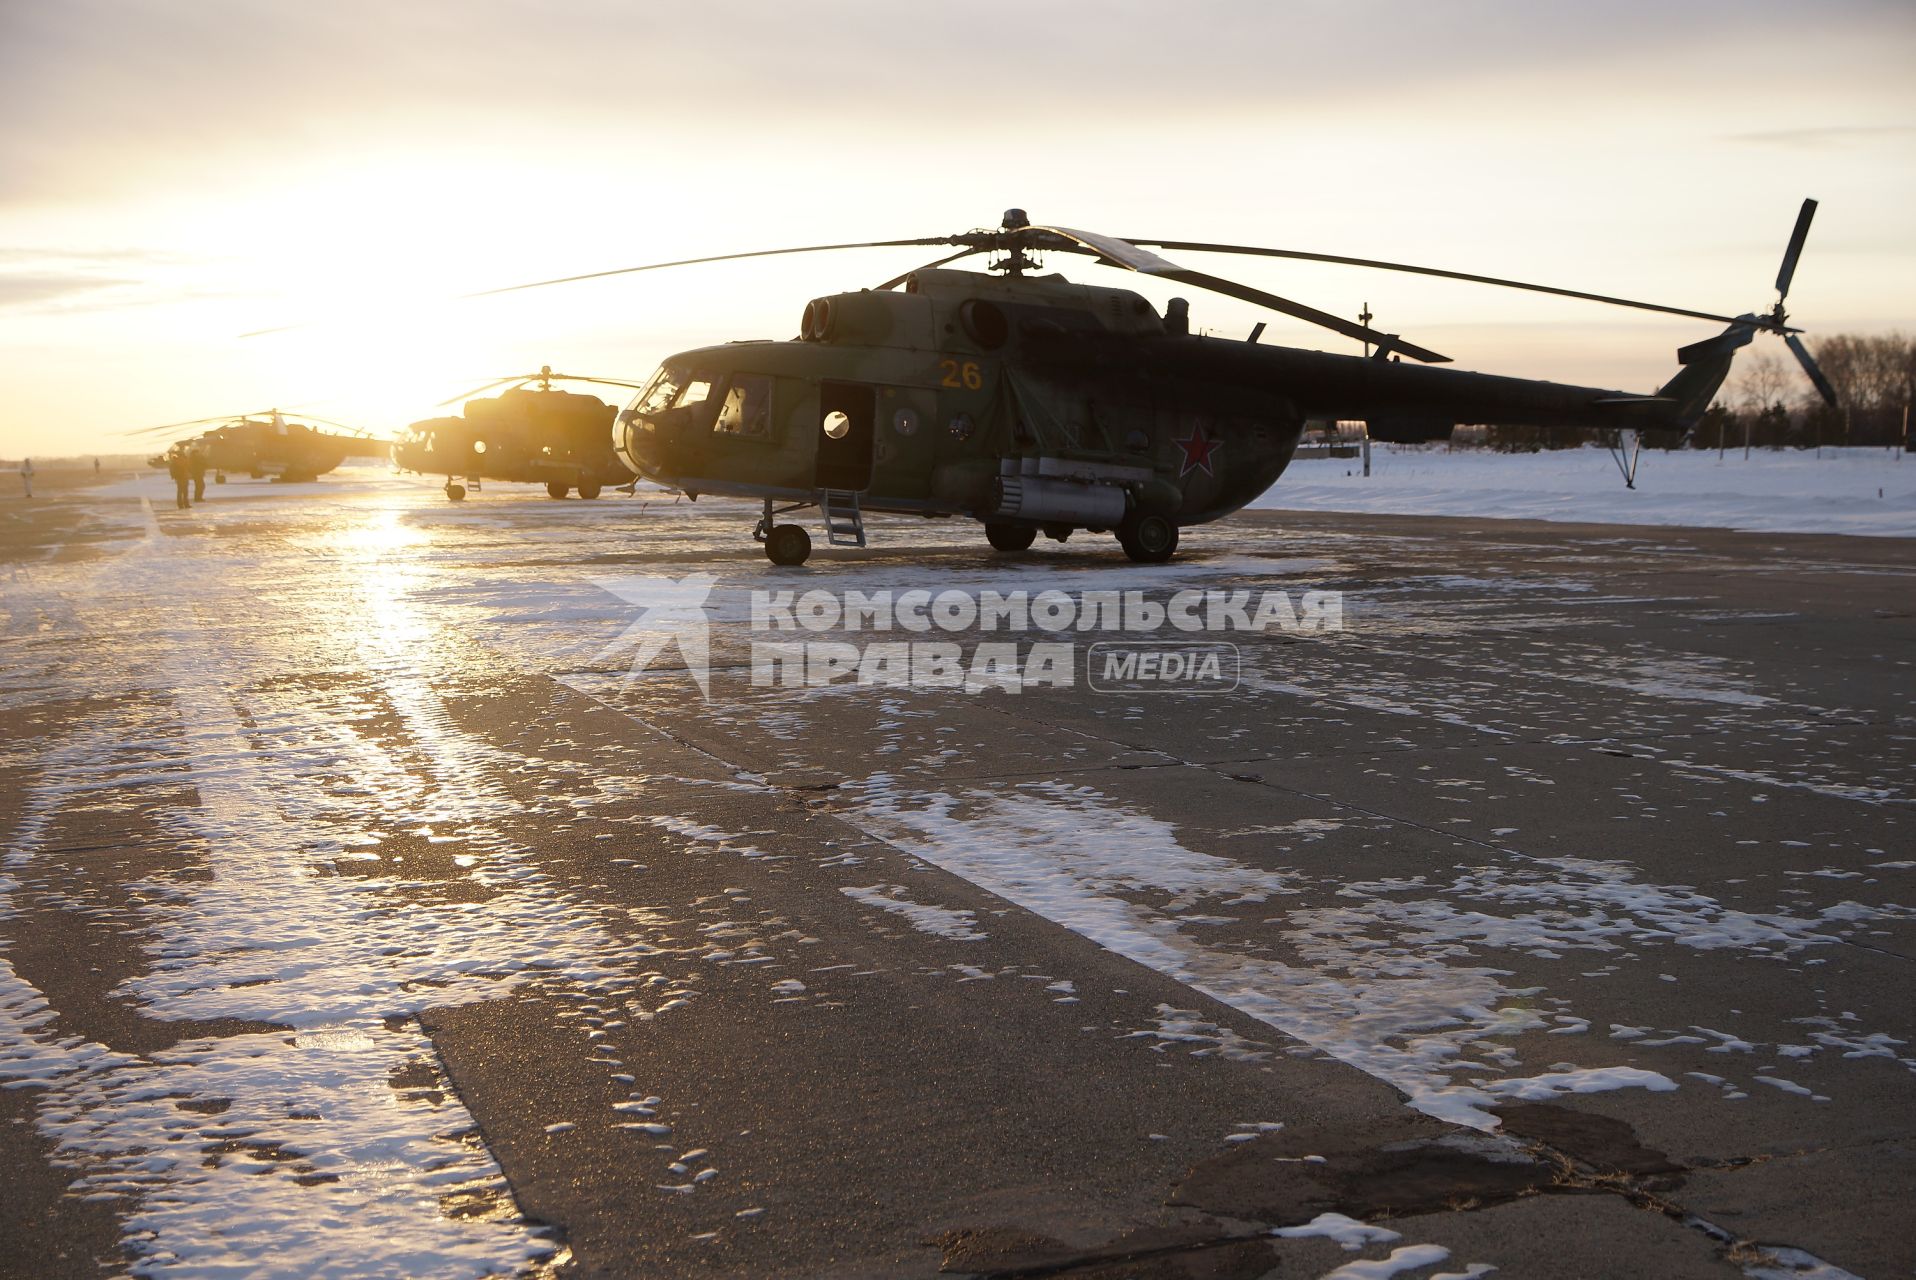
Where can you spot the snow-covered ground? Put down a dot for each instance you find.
(1867, 491)
(1860, 491)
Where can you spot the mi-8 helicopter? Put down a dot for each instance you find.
(265, 444)
(560, 439)
(1033, 404)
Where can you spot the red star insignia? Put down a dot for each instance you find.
(1198, 449)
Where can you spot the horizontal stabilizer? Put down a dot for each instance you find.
(1736, 336)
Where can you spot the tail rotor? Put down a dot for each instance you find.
(1779, 318)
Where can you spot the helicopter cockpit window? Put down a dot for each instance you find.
(696, 392)
(661, 391)
(747, 410)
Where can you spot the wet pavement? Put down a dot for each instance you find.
(384, 895)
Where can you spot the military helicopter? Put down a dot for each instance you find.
(264, 444)
(558, 438)
(1033, 404)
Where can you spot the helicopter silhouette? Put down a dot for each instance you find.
(265, 444)
(560, 439)
(1034, 404)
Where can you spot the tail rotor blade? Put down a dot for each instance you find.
(1787, 271)
(1802, 354)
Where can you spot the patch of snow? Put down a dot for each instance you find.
(1185, 1026)
(1587, 1080)
(1777, 491)
(1405, 1258)
(1348, 1232)
(1794, 1264)
(941, 922)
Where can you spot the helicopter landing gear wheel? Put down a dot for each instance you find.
(1010, 537)
(455, 492)
(788, 544)
(589, 489)
(556, 490)
(1148, 539)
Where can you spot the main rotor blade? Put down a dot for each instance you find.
(1116, 252)
(1802, 354)
(174, 426)
(720, 257)
(480, 390)
(1194, 246)
(604, 382)
(310, 417)
(1336, 324)
(1127, 254)
(1787, 272)
(897, 280)
(195, 422)
(183, 428)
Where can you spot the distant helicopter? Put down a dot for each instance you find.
(265, 444)
(1032, 404)
(557, 438)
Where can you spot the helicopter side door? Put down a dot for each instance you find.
(846, 412)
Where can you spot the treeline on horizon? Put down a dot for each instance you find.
(1769, 404)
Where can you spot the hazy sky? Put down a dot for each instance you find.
(176, 172)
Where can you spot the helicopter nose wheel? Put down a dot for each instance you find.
(788, 544)
(1010, 537)
(556, 490)
(1148, 539)
(455, 492)
(589, 489)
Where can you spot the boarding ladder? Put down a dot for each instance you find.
(844, 522)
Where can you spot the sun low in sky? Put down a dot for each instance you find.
(175, 175)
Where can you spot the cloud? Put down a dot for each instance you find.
(1816, 138)
(19, 289)
(108, 96)
(97, 280)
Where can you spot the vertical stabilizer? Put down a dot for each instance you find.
(1705, 365)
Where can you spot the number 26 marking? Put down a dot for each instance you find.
(966, 375)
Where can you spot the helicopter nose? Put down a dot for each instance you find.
(642, 445)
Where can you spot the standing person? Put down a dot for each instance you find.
(96, 468)
(182, 473)
(26, 475)
(196, 462)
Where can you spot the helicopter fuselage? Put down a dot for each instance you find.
(290, 452)
(1038, 402)
(941, 401)
(556, 438)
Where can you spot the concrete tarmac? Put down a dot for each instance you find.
(384, 895)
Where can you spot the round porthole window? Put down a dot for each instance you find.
(905, 422)
(961, 427)
(478, 446)
(837, 424)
